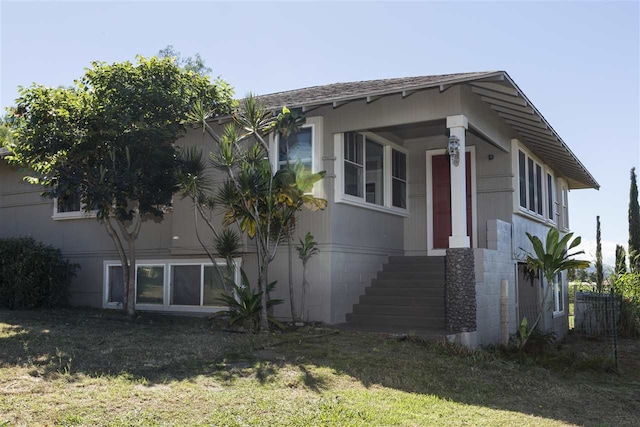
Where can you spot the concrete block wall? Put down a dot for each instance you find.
(492, 266)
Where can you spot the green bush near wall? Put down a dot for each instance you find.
(33, 275)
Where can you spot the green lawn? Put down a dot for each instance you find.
(92, 368)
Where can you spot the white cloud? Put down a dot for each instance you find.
(608, 251)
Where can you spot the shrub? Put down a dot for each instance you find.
(33, 275)
(627, 285)
(244, 305)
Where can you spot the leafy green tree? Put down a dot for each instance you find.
(550, 259)
(621, 260)
(111, 138)
(253, 198)
(599, 269)
(634, 224)
(191, 63)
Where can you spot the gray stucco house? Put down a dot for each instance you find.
(418, 168)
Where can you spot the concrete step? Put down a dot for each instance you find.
(411, 301)
(432, 260)
(408, 283)
(416, 275)
(404, 292)
(391, 320)
(427, 268)
(399, 310)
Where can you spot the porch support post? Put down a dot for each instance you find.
(458, 126)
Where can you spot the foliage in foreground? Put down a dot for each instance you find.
(550, 259)
(168, 370)
(245, 304)
(627, 285)
(109, 140)
(33, 275)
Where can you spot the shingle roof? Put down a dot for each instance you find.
(344, 91)
(507, 100)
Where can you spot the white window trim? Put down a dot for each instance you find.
(563, 205)
(316, 125)
(431, 251)
(81, 214)
(516, 147)
(167, 264)
(387, 207)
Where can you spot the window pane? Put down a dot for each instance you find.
(213, 287)
(539, 189)
(69, 203)
(296, 148)
(399, 195)
(550, 196)
(375, 173)
(523, 179)
(532, 191)
(150, 285)
(352, 179)
(353, 147)
(116, 284)
(398, 165)
(185, 285)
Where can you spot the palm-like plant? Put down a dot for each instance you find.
(245, 304)
(550, 259)
(307, 249)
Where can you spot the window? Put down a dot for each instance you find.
(558, 295)
(373, 172)
(69, 207)
(530, 184)
(565, 207)
(178, 285)
(297, 147)
(550, 198)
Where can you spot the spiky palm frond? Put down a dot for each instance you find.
(307, 248)
(254, 118)
(193, 180)
(227, 243)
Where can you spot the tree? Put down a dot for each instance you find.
(599, 270)
(634, 224)
(551, 259)
(110, 138)
(191, 63)
(621, 260)
(253, 198)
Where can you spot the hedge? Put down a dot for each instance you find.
(33, 275)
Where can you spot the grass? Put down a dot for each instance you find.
(72, 368)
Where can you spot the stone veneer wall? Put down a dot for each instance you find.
(460, 292)
(492, 266)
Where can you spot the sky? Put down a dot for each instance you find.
(578, 62)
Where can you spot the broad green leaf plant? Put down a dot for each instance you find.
(550, 259)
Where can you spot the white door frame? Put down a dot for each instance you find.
(431, 251)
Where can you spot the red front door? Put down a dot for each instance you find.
(441, 179)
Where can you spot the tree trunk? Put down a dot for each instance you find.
(263, 281)
(304, 290)
(294, 315)
(131, 294)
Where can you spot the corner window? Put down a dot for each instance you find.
(189, 285)
(373, 172)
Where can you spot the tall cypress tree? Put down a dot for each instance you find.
(621, 260)
(599, 271)
(634, 225)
